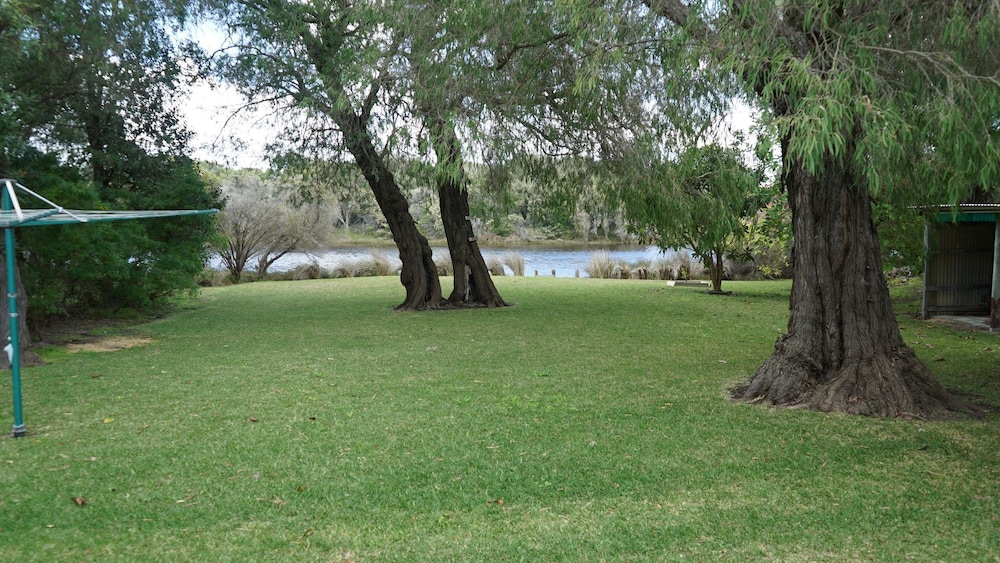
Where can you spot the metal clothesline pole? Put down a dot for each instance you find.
(13, 216)
(14, 344)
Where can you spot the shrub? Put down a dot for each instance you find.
(774, 261)
(211, 277)
(740, 269)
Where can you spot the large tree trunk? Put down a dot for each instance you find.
(473, 284)
(843, 350)
(419, 274)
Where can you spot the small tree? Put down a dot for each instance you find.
(259, 222)
(707, 198)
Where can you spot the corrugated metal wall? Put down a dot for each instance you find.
(959, 271)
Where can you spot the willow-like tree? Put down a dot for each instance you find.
(437, 60)
(867, 96)
(501, 89)
(388, 72)
(332, 65)
(703, 202)
(429, 80)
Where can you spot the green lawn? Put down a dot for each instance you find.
(307, 421)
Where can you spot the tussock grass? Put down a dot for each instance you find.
(685, 267)
(664, 269)
(601, 265)
(310, 271)
(495, 266)
(210, 277)
(444, 265)
(307, 421)
(377, 264)
(514, 261)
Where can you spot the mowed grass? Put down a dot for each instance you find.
(307, 421)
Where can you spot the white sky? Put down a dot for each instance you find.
(238, 139)
(220, 133)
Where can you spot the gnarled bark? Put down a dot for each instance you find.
(419, 274)
(843, 350)
(473, 284)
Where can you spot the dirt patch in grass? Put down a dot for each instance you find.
(108, 344)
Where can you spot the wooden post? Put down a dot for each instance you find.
(924, 314)
(995, 292)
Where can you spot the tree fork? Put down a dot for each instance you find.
(473, 284)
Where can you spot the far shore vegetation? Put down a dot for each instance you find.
(379, 262)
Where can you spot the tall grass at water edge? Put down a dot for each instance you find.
(307, 421)
(679, 266)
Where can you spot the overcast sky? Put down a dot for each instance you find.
(220, 134)
(238, 139)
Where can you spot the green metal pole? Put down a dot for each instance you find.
(15, 344)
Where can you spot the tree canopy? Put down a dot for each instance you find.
(705, 202)
(91, 118)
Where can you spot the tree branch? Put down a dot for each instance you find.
(944, 63)
(372, 98)
(505, 58)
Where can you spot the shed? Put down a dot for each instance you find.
(962, 262)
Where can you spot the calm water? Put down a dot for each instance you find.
(566, 262)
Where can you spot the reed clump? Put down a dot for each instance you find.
(514, 261)
(495, 266)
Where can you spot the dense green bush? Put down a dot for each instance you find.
(104, 268)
